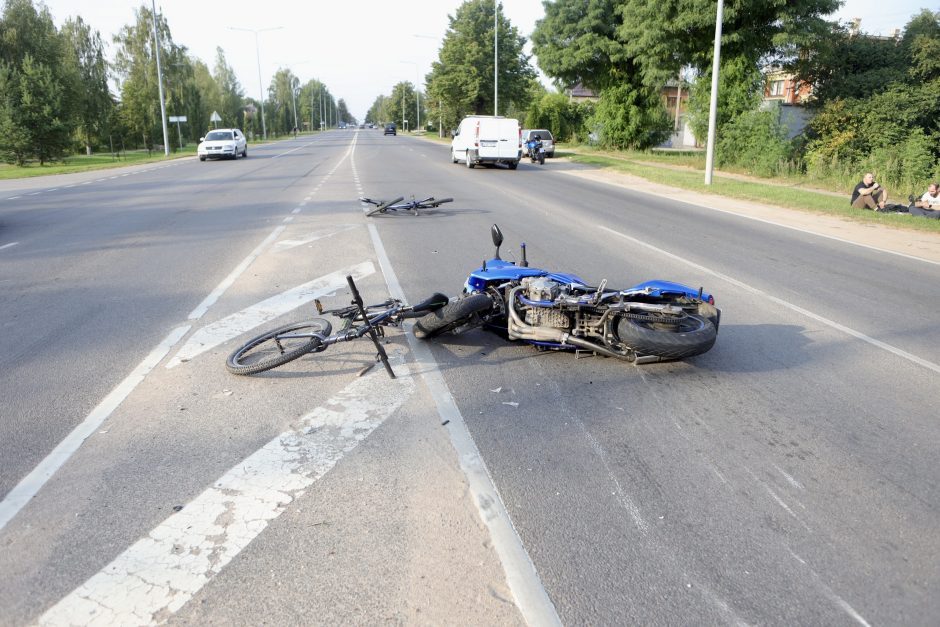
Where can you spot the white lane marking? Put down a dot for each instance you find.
(161, 572)
(796, 484)
(285, 244)
(288, 219)
(31, 483)
(531, 598)
(227, 282)
(10, 245)
(234, 325)
(809, 314)
(34, 194)
(291, 150)
(296, 210)
(14, 197)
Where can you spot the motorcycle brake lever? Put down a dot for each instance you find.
(600, 291)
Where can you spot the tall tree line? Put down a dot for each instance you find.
(55, 98)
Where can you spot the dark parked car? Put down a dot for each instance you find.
(390, 129)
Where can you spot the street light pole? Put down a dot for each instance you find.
(156, 45)
(713, 106)
(495, 57)
(264, 127)
(294, 98)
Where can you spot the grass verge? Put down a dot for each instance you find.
(82, 163)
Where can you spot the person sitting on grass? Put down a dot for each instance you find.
(869, 195)
(929, 204)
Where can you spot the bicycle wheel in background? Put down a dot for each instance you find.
(277, 347)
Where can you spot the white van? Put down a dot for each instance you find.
(487, 139)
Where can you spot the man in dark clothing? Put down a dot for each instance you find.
(869, 195)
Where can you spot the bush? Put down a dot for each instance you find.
(631, 117)
(757, 141)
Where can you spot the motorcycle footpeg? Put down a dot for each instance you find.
(647, 359)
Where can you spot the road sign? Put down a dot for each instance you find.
(215, 117)
(177, 118)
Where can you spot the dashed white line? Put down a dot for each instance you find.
(10, 245)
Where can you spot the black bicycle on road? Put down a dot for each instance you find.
(382, 206)
(287, 343)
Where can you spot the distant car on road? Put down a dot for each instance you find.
(390, 129)
(222, 143)
(548, 142)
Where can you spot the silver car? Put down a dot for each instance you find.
(222, 143)
(548, 141)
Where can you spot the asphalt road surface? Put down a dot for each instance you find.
(786, 477)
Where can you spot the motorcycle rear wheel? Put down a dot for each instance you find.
(451, 316)
(694, 335)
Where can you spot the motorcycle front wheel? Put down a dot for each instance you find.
(451, 316)
(693, 335)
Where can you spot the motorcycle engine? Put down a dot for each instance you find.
(543, 289)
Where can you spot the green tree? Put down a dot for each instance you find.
(37, 86)
(344, 115)
(135, 66)
(463, 76)
(399, 105)
(230, 92)
(578, 41)
(666, 35)
(376, 112)
(922, 43)
(94, 103)
(279, 108)
(203, 101)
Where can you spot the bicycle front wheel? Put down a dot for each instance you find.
(276, 348)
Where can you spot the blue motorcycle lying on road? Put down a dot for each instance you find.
(650, 322)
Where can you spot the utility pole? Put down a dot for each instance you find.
(156, 44)
(713, 107)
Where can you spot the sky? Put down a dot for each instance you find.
(359, 49)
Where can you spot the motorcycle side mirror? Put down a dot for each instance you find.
(497, 239)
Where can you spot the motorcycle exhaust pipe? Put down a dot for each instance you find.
(519, 330)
